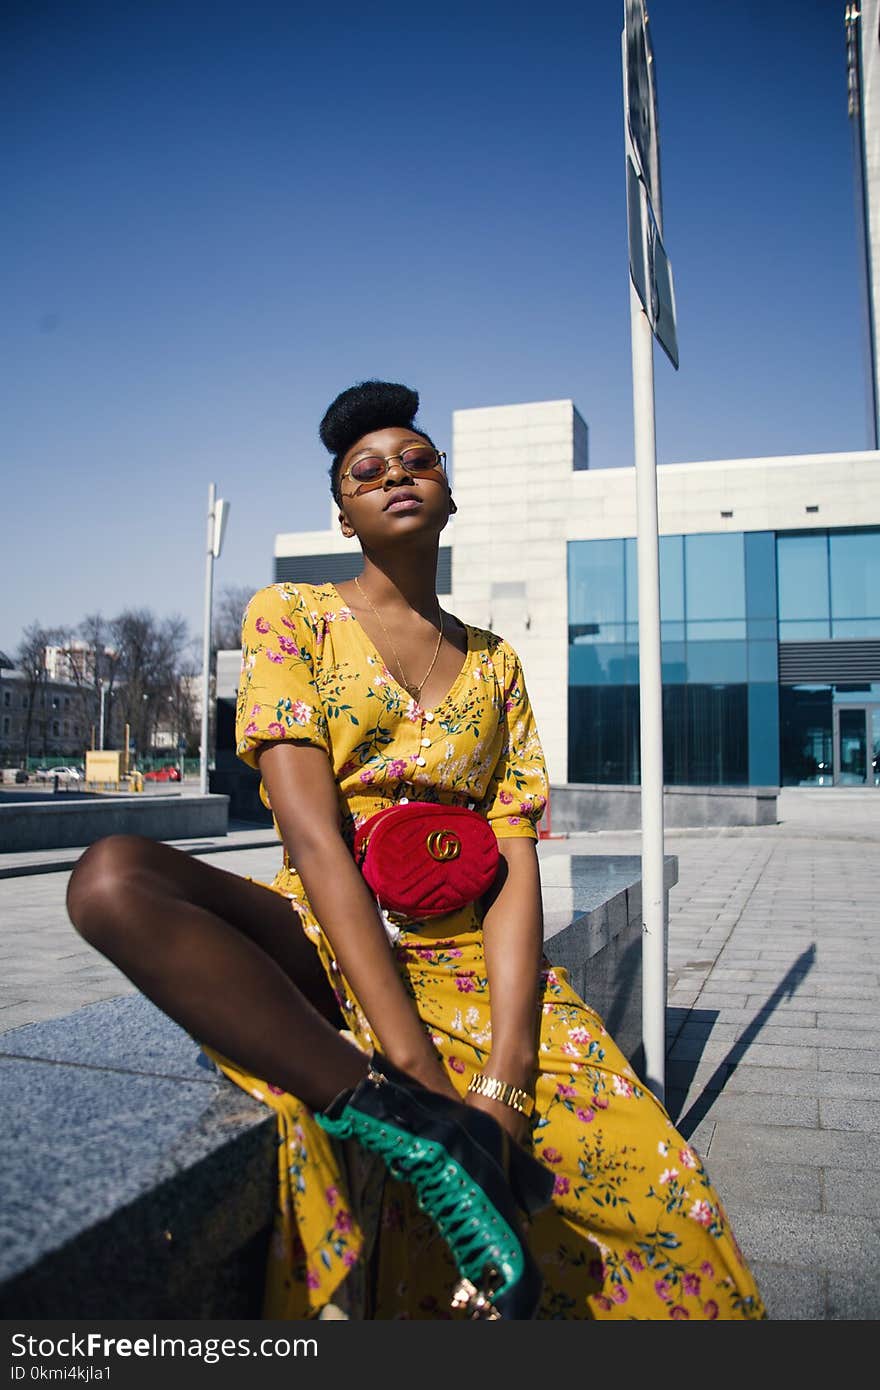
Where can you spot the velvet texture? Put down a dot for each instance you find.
(423, 859)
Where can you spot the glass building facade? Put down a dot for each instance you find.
(770, 655)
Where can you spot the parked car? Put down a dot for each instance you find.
(168, 773)
(65, 774)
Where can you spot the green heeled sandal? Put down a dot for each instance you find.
(467, 1176)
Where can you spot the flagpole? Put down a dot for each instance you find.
(206, 642)
(650, 286)
(654, 953)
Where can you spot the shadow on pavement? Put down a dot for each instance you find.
(786, 988)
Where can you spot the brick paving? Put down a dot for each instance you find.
(773, 1037)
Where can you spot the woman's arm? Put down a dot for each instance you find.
(513, 935)
(299, 781)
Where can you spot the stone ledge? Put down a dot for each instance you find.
(140, 1183)
(137, 1182)
(71, 821)
(595, 806)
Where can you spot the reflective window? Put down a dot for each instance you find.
(631, 583)
(802, 567)
(855, 629)
(805, 735)
(722, 630)
(672, 578)
(705, 620)
(596, 587)
(809, 630)
(673, 662)
(763, 719)
(715, 585)
(853, 747)
(705, 735)
(605, 663)
(855, 574)
(603, 725)
(857, 694)
(716, 662)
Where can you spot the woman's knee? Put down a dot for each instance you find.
(100, 882)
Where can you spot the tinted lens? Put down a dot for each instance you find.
(366, 470)
(418, 459)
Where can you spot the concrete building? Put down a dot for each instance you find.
(770, 600)
(48, 719)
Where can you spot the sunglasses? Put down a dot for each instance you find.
(419, 460)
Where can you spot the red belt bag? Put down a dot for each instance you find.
(422, 859)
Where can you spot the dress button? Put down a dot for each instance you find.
(426, 743)
(429, 715)
(420, 762)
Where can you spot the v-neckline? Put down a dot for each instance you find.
(375, 650)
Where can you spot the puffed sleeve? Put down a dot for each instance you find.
(517, 791)
(277, 694)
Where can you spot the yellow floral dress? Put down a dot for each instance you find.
(635, 1229)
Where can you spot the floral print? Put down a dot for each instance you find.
(635, 1229)
(311, 674)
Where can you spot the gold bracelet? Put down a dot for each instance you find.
(503, 1091)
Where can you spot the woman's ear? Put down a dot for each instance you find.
(345, 525)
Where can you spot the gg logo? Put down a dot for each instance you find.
(442, 844)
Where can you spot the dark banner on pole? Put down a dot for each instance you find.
(648, 262)
(641, 100)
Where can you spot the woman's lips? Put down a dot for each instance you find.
(403, 504)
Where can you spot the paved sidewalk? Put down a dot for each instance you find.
(773, 1023)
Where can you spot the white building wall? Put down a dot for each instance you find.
(513, 485)
(764, 494)
(331, 542)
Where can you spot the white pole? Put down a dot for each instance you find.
(650, 703)
(101, 719)
(206, 643)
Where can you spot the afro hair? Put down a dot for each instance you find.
(371, 405)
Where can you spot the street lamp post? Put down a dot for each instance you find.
(218, 515)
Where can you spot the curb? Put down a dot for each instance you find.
(54, 866)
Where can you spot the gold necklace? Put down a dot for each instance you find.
(414, 690)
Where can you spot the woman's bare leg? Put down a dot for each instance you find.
(227, 959)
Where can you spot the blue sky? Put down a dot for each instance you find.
(220, 215)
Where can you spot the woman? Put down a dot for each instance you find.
(355, 1025)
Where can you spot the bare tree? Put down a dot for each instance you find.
(101, 667)
(149, 652)
(229, 609)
